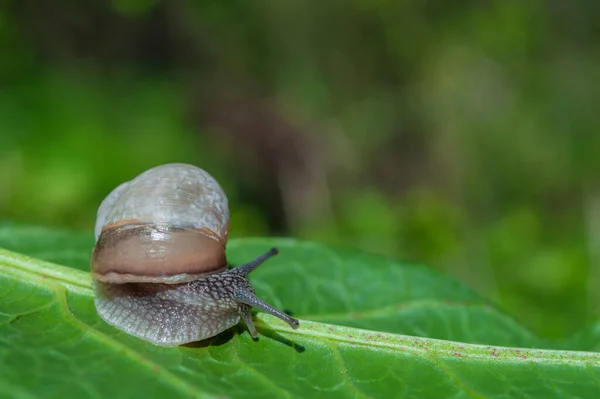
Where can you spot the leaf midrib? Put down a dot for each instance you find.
(427, 346)
(48, 274)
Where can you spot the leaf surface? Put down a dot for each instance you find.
(370, 327)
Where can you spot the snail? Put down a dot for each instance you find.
(159, 267)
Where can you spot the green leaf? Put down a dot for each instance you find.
(353, 307)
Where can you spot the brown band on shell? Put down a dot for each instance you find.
(123, 222)
(156, 253)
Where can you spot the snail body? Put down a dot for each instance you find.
(159, 266)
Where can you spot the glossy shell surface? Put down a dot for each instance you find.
(173, 194)
(169, 224)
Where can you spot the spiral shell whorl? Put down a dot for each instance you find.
(173, 194)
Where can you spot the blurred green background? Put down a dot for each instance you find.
(461, 135)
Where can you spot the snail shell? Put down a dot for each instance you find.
(159, 265)
(169, 225)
